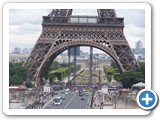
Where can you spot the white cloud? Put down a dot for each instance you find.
(22, 16)
(132, 16)
(133, 34)
(22, 40)
(25, 28)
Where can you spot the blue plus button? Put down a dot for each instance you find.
(147, 99)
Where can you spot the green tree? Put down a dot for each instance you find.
(113, 64)
(16, 80)
(29, 84)
(130, 77)
(64, 65)
(109, 71)
(117, 76)
(142, 68)
(55, 65)
(17, 74)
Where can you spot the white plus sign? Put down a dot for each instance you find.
(147, 99)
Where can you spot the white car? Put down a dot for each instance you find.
(57, 101)
(66, 90)
(63, 96)
(76, 91)
(66, 93)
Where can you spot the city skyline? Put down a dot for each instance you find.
(25, 30)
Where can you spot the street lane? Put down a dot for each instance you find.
(72, 101)
(64, 102)
(77, 103)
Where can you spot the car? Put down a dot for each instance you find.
(63, 92)
(63, 96)
(66, 93)
(58, 101)
(66, 90)
(82, 99)
(76, 91)
(81, 94)
(87, 94)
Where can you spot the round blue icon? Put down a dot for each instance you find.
(147, 99)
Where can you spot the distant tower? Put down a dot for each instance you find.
(139, 44)
(77, 51)
(17, 50)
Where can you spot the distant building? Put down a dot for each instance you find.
(29, 50)
(139, 44)
(77, 51)
(59, 59)
(83, 53)
(17, 50)
(25, 51)
(98, 61)
(17, 57)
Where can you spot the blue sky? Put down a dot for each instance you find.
(25, 25)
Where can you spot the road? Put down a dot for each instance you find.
(72, 101)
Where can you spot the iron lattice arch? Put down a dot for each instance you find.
(62, 31)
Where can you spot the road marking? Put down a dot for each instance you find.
(89, 97)
(70, 100)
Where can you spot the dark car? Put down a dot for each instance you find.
(82, 99)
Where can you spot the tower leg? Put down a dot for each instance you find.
(69, 72)
(75, 52)
(91, 65)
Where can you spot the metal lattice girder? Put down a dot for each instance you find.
(106, 12)
(59, 34)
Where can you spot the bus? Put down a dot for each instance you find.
(80, 92)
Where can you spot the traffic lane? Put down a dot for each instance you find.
(77, 103)
(64, 102)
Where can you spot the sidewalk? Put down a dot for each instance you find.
(97, 104)
(107, 104)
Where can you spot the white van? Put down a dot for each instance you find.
(57, 101)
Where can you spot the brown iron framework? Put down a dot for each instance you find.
(62, 31)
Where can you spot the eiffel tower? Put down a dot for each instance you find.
(61, 31)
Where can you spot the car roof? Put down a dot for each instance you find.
(58, 97)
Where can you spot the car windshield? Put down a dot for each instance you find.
(57, 100)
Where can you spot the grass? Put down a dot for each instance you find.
(84, 77)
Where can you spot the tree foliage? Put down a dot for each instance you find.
(142, 68)
(29, 84)
(55, 65)
(17, 74)
(16, 80)
(109, 71)
(127, 78)
(113, 64)
(130, 77)
(62, 71)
